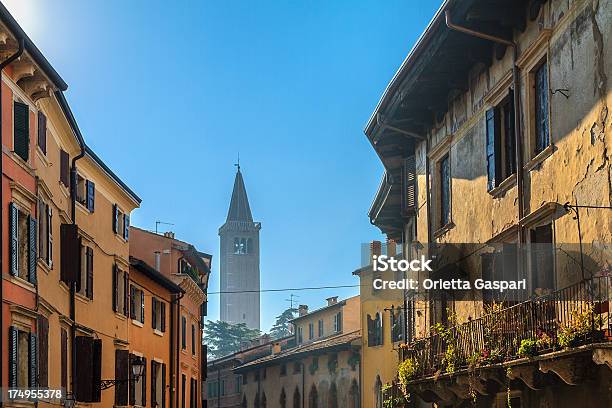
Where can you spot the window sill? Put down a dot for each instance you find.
(137, 323)
(537, 160)
(44, 265)
(444, 229)
(503, 187)
(120, 238)
(120, 316)
(82, 298)
(23, 283)
(158, 333)
(42, 156)
(64, 189)
(22, 163)
(82, 207)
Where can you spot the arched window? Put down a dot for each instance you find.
(264, 402)
(378, 392)
(354, 395)
(236, 245)
(313, 397)
(283, 399)
(332, 398)
(297, 398)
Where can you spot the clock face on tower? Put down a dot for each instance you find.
(239, 257)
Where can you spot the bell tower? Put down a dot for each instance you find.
(239, 257)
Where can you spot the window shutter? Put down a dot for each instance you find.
(132, 302)
(122, 374)
(64, 358)
(115, 218)
(154, 314)
(42, 132)
(65, 168)
(14, 259)
(126, 226)
(90, 278)
(97, 371)
(163, 316)
(49, 237)
(183, 332)
(144, 382)
(91, 194)
(153, 383)
(115, 288)
(32, 252)
(163, 384)
(33, 361)
(132, 384)
(70, 248)
(21, 126)
(142, 307)
(493, 147)
(126, 285)
(84, 368)
(13, 355)
(43, 351)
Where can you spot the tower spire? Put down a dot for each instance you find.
(239, 209)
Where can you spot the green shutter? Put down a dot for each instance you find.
(14, 226)
(13, 355)
(33, 361)
(32, 252)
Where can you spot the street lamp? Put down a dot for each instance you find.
(137, 369)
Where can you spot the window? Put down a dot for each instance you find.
(375, 332)
(22, 358)
(22, 244)
(338, 322)
(42, 132)
(64, 358)
(45, 232)
(88, 370)
(444, 190)
(299, 335)
(542, 131)
(121, 222)
(84, 284)
(120, 290)
(193, 339)
(397, 324)
(158, 384)
(122, 373)
(65, 168)
(501, 142)
(183, 333)
(43, 351)
(193, 392)
(242, 245)
(297, 367)
(542, 258)
(238, 384)
(320, 331)
(138, 390)
(137, 304)
(21, 130)
(86, 192)
(183, 385)
(310, 331)
(283, 370)
(158, 320)
(409, 185)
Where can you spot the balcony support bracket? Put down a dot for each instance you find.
(570, 369)
(528, 374)
(603, 356)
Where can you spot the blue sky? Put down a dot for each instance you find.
(168, 93)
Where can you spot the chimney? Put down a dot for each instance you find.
(302, 310)
(375, 249)
(169, 234)
(276, 348)
(391, 248)
(332, 300)
(157, 260)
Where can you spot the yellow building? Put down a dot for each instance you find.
(507, 156)
(320, 369)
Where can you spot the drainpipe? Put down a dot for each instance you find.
(173, 366)
(3, 65)
(517, 118)
(73, 178)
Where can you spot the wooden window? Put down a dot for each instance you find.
(320, 331)
(45, 232)
(88, 369)
(65, 168)
(338, 322)
(121, 222)
(193, 339)
(22, 358)
(43, 351)
(396, 319)
(23, 249)
(64, 358)
(183, 333)
(542, 258)
(42, 132)
(122, 366)
(158, 308)
(445, 191)
(158, 384)
(501, 142)
(542, 131)
(120, 291)
(86, 192)
(137, 304)
(70, 249)
(138, 389)
(409, 185)
(183, 386)
(300, 337)
(21, 130)
(310, 331)
(84, 284)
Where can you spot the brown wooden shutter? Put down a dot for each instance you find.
(163, 384)
(43, 351)
(21, 129)
(64, 358)
(90, 278)
(132, 384)
(115, 218)
(132, 302)
(42, 132)
(96, 376)
(65, 168)
(84, 369)
(115, 288)
(163, 316)
(142, 307)
(121, 374)
(154, 402)
(126, 285)
(70, 248)
(154, 313)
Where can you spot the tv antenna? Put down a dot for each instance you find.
(290, 300)
(158, 223)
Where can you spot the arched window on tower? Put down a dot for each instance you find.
(297, 400)
(236, 245)
(283, 399)
(243, 246)
(313, 397)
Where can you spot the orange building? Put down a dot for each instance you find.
(152, 299)
(189, 269)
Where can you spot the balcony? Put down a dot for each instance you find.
(572, 325)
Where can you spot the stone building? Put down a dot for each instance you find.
(495, 136)
(239, 251)
(320, 370)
